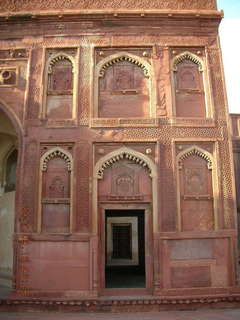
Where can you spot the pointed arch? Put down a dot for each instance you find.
(59, 102)
(195, 150)
(196, 183)
(124, 153)
(12, 138)
(190, 84)
(13, 118)
(111, 158)
(123, 56)
(54, 153)
(58, 57)
(148, 93)
(187, 56)
(55, 192)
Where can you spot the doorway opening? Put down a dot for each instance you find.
(125, 249)
(8, 164)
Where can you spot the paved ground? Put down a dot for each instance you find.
(232, 314)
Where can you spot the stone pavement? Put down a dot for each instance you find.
(223, 314)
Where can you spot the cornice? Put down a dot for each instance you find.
(78, 15)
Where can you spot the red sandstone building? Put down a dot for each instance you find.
(114, 116)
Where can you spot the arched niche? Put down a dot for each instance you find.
(10, 165)
(10, 141)
(197, 189)
(59, 87)
(190, 86)
(123, 87)
(55, 192)
(117, 157)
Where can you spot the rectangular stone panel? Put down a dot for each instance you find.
(59, 106)
(55, 217)
(190, 105)
(57, 266)
(190, 277)
(191, 249)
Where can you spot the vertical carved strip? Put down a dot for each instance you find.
(168, 189)
(85, 82)
(217, 83)
(29, 188)
(33, 103)
(23, 269)
(82, 188)
(227, 186)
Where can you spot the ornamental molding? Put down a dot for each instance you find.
(120, 57)
(115, 304)
(128, 154)
(198, 152)
(56, 153)
(187, 56)
(43, 5)
(58, 57)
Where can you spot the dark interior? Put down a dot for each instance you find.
(126, 276)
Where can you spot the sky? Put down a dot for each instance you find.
(230, 44)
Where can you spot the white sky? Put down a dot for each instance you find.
(230, 43)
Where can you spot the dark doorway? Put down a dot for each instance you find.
(125, 249)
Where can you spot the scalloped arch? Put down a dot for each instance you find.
(187, 56)
(56, 153)
(124, 153)
(123, 56)
(58, 57)
(195, 151)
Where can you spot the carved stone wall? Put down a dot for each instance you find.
(77, 4)
(103, 127)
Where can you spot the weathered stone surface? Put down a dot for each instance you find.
(33, 5)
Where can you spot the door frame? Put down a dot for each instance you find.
(148, 230)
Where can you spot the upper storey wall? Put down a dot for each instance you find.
(48, 5)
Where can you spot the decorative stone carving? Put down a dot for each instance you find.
(58, 57)
(195, 151)
(120, 79)
(187, 56)
(195, 186)
(123, 56)
(122, 155)
(8, 77)
(60, 85)
(56, 188)
(15, 5)
(53, 153)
